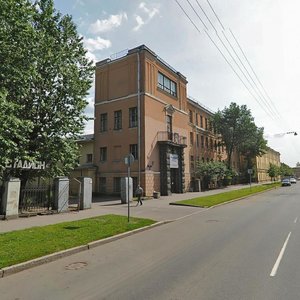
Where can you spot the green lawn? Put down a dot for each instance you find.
(23, 245)
(208, 201)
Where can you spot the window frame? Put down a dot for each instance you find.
(117, 119)
(103, 122)
(133, 149)
(133, 117)
(103, 154)
(166, 84)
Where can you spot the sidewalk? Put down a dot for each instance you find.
(155, 209)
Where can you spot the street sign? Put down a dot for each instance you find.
(250, 171)
(129, 159)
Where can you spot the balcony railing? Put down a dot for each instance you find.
(165, 136)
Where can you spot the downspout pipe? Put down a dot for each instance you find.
(139, 114)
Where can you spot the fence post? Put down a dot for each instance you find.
(61, 194)
(11, 197)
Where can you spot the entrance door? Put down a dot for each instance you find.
(174, 180)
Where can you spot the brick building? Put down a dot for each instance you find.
(141, 107)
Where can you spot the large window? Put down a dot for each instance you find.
(89, 158)
(191, 116)
(133, 149)
(191, 138)
(103, 154)
(133, 117)
(167, 84)
(169, 127)
(117, 120)
(103, 122)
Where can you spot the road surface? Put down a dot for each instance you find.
(249, 249)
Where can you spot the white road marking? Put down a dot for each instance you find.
(276, 266)
(295, 221)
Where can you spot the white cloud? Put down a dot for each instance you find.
(149, 12)
(140, 23)
(105, 25)
(96, 44)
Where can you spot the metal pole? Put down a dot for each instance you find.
(250, 180)
(128, 175)
(139, 114)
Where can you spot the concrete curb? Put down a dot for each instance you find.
(57, 255)
(41, 260)
(223, 203)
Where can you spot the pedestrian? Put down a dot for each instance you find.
(139, 193)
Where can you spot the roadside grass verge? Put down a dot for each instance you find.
(208, 201)
(23, 245)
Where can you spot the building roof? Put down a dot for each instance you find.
(86, 138)
(124, 53)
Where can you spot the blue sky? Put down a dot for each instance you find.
(267, 31)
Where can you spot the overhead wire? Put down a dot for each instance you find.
(266, 109)
(271, 105)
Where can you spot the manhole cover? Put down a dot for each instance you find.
(76, 265)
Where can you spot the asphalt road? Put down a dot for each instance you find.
(248, 249)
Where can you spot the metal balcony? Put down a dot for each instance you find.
(165, 136)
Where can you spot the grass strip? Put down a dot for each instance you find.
(23, 245)
(208, 201)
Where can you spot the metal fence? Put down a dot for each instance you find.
(36, 198)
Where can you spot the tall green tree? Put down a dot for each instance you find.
(239, 132)
(46, 74)
(214, 171)
(11, 130)
(273, 171)
(286, 170)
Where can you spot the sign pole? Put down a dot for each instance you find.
(128, 175)
(129, 159)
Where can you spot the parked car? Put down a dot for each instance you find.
(285, 182)
(293, 180)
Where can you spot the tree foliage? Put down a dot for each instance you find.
(239, 132)
(46, 75)
(211, 171)
(285, 170)
(273, 171)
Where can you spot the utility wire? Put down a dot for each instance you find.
(197, 14)
(253, 70)
(257, 89)
(271, 104)
(188, 17)
(268, 112)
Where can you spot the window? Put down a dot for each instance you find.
(167, 84)
(89, 158)
(202, 141)
(117, 184)
(191, 116)
(117, 120)
(201, 121)
(196, 119)
(133, 117)
(103, 122)
(206, 124)
(103, 154)
(206, 143)
(197, 140)
(133, 149)
(191, 138)
(169, 127)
